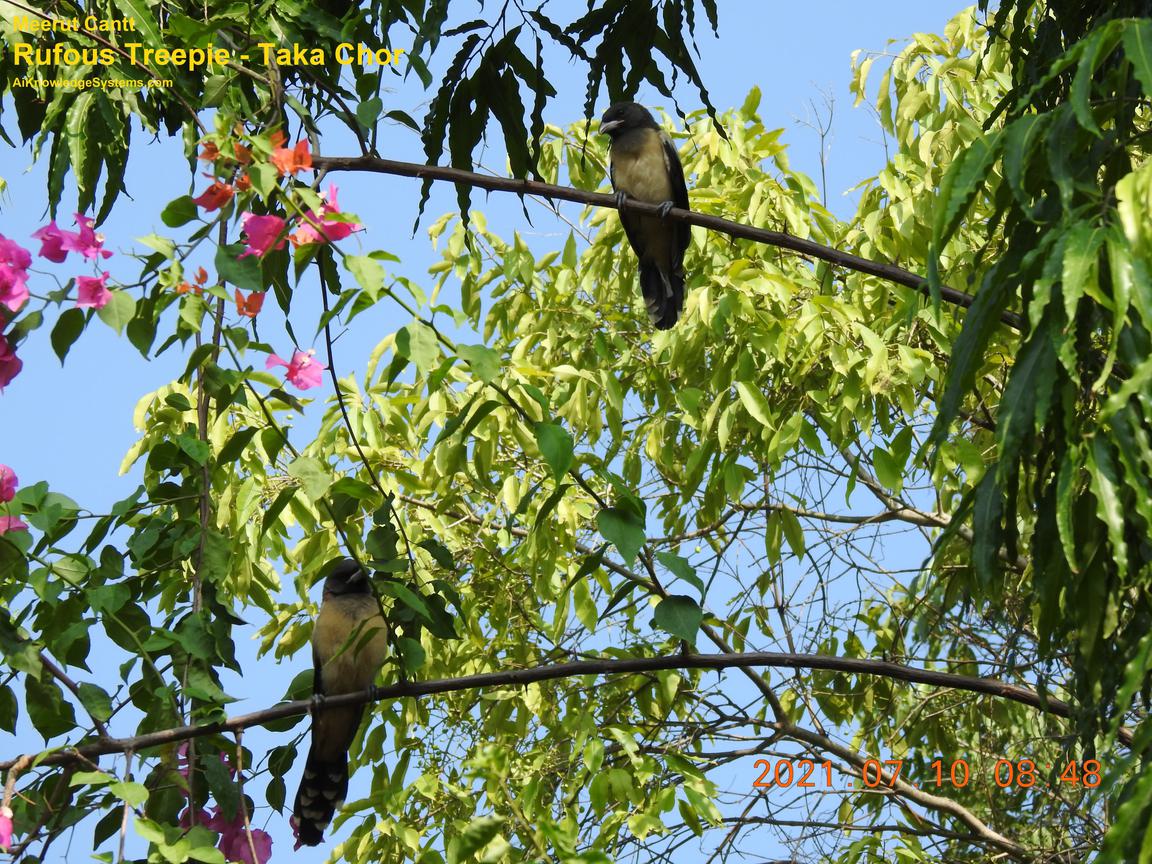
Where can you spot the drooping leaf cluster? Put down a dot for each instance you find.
(1061, 165)
(496, 62)
(1041, 165)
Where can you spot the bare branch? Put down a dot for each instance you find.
(522, 677)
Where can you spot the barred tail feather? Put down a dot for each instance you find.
(322, 789)
(663, 294)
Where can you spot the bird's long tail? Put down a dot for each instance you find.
(322, 789)
(663, 292)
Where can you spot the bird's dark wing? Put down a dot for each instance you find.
(679, 192)
(317, 669)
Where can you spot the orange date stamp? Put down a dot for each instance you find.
(956, 773)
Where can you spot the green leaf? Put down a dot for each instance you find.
(1105, 484)
(201, 686)
(439, 552)
(793, 532)
(679, 615)
(623, 529)
(118, 311)
(368, 112)
(66, 331)
(96, 702)
(555, 446)
(9, 709)
(888, 470)
(144, 20)
(264, 178)
(755, 403)
(964, 179)
(236, 445)
(47, 708)
(133, 794)
(91, 778)
(418, 343)
(406, 596)
(242, 272)
(368, 273)
(160, 244)
(1138, 50)
(179, 211)
(85, 158)
(479, 833)
(681, 569)
(199, 451)
(482, 360)
(1096, 47)
(412, 654)
(313, 475)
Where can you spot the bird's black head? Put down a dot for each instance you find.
(624, 117)
(347, 577)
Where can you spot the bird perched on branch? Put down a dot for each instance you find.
(349, 643)
(645, 166)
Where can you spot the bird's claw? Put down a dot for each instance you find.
(665, 209)
(620, 198)
(317, 703)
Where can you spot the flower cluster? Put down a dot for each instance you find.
(55, 245)
(5, 828)
(198, 287)
(14, 263)
(303, 369)
(234, 841)
(8, 483)
(269, 233)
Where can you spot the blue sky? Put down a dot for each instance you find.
(71, 426)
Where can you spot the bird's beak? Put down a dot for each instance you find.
(610, 126)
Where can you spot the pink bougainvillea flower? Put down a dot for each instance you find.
(8, 483)
(5, 821)
(251, 305)
(13, 288)
(214, 197)
(14, 254)
(186, 821)
(94, 293)
(10, 364)
(88, 243)
(9, 523)
(304, 370)
(289, 161)
(264, 233)
(318, 228)
(55, 242)
(234, 839)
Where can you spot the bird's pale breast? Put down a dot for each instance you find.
(640, 171)
(355, 652)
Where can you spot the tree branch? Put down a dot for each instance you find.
(880, 269)
(522, 677)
